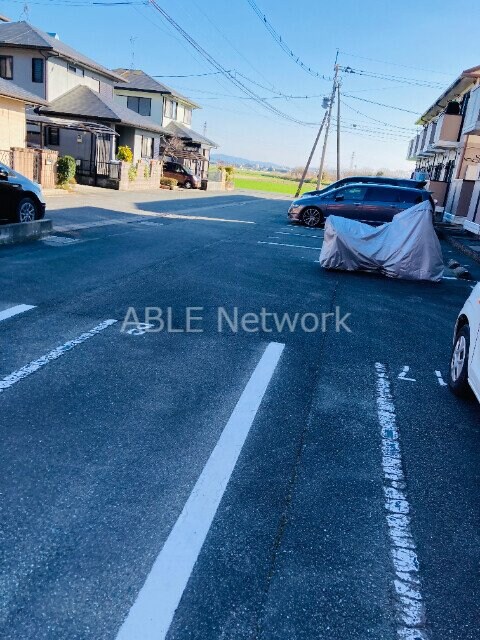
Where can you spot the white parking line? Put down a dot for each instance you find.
(281, 244)
(302, 235)
(409, 601)
(35, 365)
(14, 311)
(153, 610)
(440, 379)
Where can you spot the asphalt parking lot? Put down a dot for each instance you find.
(242, 480)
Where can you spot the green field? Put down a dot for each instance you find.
(274, 183)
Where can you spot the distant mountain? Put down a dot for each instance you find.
(236, 162)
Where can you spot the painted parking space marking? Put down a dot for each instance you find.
(153, 610)
(281, 244)
(35, 365)
(301, 235)
(411, 623)
(403, 374)
(14, 311)
(58, 241)
(440, 379)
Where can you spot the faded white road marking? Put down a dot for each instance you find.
(301, 235)
(441, 381)
(297, 246)
(58, 241)
(407, 586)
(140, 329)
(152, 612)
(403, 374)
(35, 365)
(14, 311)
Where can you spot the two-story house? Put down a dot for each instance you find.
(167, 108)
(448, 146)
(82, 118)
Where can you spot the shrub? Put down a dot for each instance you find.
(124, 153)
(132, 173)
(229, 173)
(146, 172)
(168, 182)
(66, 168)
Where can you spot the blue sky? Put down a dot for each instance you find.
(424, 43)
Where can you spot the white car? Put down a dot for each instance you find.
(464, 373)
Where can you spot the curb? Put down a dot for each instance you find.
(24, 231)
(459, 245)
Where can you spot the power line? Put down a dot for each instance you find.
(219, 67)
(395, 64)
(381, 104)
(392, 78)
(360, 113)
(283, 45)
(189, 75)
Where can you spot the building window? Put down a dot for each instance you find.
(76, 70)
(6, 67)
(171, 109)
(142, 106)
(37, 69)
(187, 115)
(53, 136)
(147, 147)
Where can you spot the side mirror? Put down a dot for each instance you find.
(3, 174)
(339, 198)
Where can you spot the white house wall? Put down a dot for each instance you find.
(157, 102)
(22, 69)
(60, 79)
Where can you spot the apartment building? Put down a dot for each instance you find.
(448, 147)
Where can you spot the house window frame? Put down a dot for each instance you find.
(187, 120)
(139, 100)
(170, 109)
(146, 156)
(4, 60)
(53, 140)
(42, 70)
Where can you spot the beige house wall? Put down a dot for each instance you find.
(12, 123)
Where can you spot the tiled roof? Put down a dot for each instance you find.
(23, 34)
(11, 90)
(83, 102)
(138, 80)
(176, 129)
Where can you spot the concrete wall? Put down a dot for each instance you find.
(12, 123)
(147, 178)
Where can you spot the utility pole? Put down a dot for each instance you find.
(352, 161)
(307, 166)
(338, 129)
(329, 117)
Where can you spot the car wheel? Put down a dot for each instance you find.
(312, 217)
(188, 185)
(458, 372)
(26, 210)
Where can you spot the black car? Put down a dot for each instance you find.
(382, 180)
(371, 203)
(21, 199)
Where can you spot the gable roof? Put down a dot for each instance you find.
(83, 102)
(24, 35)
(464, 81)
(176, 129)
(11, 90)
(138, 80)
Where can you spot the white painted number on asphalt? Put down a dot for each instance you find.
(403, 374)
(140, 329)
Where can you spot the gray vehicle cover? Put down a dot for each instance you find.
(407, 247)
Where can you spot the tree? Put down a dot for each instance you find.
(171, 146)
